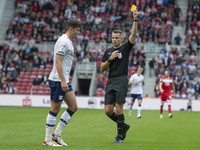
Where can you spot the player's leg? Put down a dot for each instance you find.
(139, 106)
(51, 117)
(169, 108)
(70, 100)
(132, 102)
(163, 99)
(51, 121)
(161, 108)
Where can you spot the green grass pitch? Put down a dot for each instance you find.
(23, 128)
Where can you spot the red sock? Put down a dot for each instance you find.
(161, 109)
(169, 109)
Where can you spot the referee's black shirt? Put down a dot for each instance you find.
(118, 66)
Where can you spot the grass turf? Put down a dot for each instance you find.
(23, 128)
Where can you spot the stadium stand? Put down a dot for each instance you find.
(184, 65)
(41, 21)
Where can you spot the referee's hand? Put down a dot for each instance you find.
(114, 54)
(135, 14)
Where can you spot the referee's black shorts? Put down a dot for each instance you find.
(116, 90)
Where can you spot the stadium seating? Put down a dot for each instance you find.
(48, 22)
(45, 21)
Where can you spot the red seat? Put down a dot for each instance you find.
(20, 79)
(41, 73)
(32, 76)
(34, 73)
(28, 73)
(49, 66)
(35, 69)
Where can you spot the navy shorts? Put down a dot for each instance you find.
(57, 94)
(134, 96)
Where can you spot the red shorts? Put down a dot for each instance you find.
(165, 96)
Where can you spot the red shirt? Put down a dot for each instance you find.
(166, 84)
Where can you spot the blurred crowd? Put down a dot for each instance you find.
(184, 68)
(13, 62)
(193, 24)
(45, 20)
(183, 64)
(35, 21)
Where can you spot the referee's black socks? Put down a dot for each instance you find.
(113, 117)
(120, 124)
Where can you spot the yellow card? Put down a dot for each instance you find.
(133, 7)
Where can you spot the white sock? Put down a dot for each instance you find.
(65, 118)
(139, 110)
(50, 124)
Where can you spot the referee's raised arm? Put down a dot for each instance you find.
(134, 27)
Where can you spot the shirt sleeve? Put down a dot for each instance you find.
(132, 78)
(61, 49)
(105, 57)
(129, 45)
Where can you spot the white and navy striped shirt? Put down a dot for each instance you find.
(64, 48)
(136, 88)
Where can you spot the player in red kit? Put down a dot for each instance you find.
(165, 88)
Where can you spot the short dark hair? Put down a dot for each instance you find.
(73, 23)
(117, 31)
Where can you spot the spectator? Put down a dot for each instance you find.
(151, 66)
(36, 81)
(34, 49)
(156, 90)
(100, 83)
(10, 89)
(177, 13)
(42, 64)
(177, 95)
(45, 78)
(167, 61)
(183, 95)
(178, 83)
(190, 92)
(189, 106)
(197, 90)
(177, 39)
(14, 75)
(29, 66)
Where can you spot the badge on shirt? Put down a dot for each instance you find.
(119, 55)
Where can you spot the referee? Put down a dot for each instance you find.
(116, 59)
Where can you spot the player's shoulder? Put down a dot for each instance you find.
(171, 78)
(134, 75)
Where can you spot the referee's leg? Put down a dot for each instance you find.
(121, 125)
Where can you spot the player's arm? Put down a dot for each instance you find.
(160, 87)
(134, 27)
(131, 81)
(143, 81)
(105, 65)
(59, 68)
